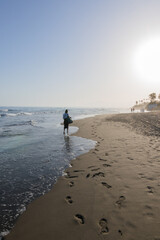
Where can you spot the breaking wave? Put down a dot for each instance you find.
(14, 114)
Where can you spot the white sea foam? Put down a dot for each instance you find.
(83, 116)
(11, 114)
(23, 209)
(64, 174)
(15, 114)
(3, 110)
(2, 234)
(25, 113)
(32, 123)
(82, 148)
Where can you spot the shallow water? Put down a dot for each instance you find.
(33, 154)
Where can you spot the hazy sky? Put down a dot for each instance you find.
(70, 53)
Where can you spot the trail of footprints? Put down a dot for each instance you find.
(103, 223)
(95, 173)
(79, 218)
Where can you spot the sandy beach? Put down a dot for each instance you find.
(112, 192)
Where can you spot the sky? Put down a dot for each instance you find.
(83, 53)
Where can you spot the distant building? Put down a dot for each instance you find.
(152, 106)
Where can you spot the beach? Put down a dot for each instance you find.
(111, 192)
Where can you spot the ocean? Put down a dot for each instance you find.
(34, 153)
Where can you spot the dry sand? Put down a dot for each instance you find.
(112, 192)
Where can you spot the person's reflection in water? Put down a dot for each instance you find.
(67, 144)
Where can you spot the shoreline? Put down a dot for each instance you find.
(111, 192)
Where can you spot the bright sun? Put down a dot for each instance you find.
(147, 60)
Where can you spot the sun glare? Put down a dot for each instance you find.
(147, 60)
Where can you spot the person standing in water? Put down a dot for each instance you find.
(66, 124)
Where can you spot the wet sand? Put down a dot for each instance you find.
(112, 192)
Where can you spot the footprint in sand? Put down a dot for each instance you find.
(95, 169)
(69, 175)
(150, 178)
(69, 200)
(120, 232)
(91, 166)
(72, 176)
(148, 207)
(106, 185)
(103, 225)
(150, 189)
(79, 218)
(94, 152)
(71, 184)
(120, 201)
(99, 174)
(101, 159)
(148, 214)
(130, 158)
(141, 175)
(106, 165)
(78, 171)
(88, 175)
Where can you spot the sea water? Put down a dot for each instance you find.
(34, 153)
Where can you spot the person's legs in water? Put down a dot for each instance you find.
(67, 131)
(65, 126)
